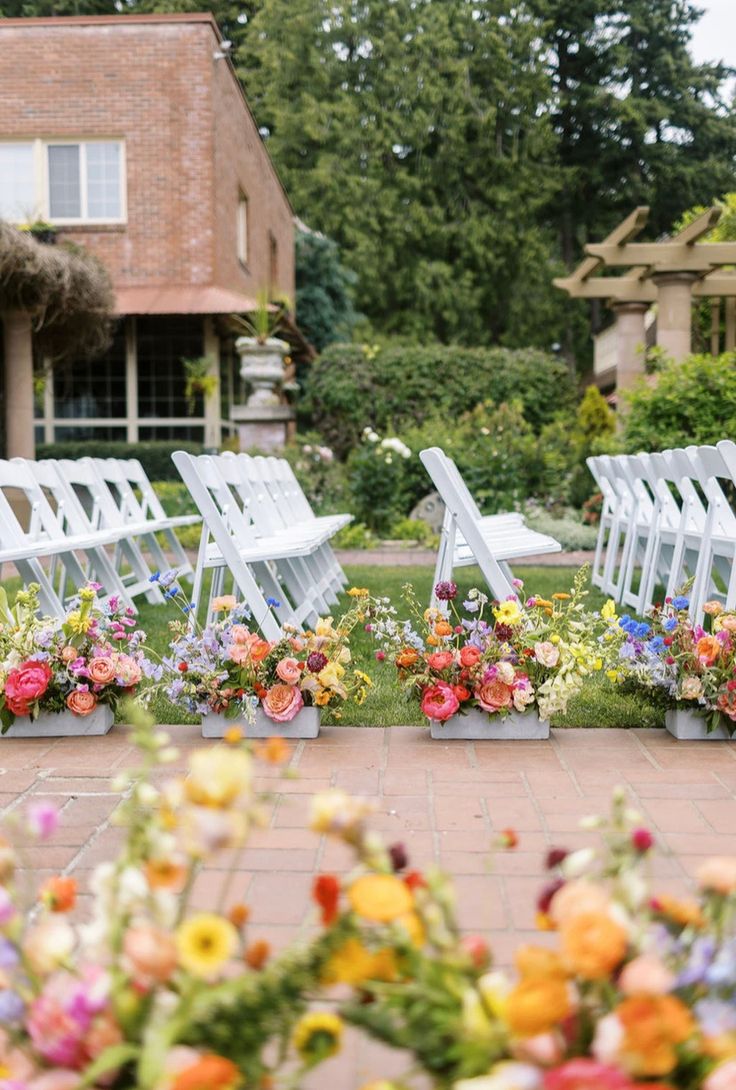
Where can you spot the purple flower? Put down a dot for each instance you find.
(445, 591)
(9, 956)
(12, 1006)
(316, 662)
(43, 819)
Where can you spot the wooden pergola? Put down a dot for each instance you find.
(669, 273)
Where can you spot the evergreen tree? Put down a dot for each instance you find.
(324, 303)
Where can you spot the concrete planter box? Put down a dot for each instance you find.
(692, 726)
(305, 724)
(478, 725)
(63, 724)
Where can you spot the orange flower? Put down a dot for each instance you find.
(59, 894)
(353, 964)
(259, 649)
(536, 1005)
(239, 915)
(326, 893)
(257, 954)
(81, 703)
(593, 944)
(164, 874)
(209, 1072)
(653, 1026)
(380, 897)
(539, 962)
(442, 628)
(559, 596)
(233, 735)
(274, 750)
(708, 648)
(406, 658)
(686, 913)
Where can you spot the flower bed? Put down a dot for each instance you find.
(66, 676)
(230, 675)
(495, 664)
(693, 668)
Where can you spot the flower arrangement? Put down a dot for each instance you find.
(93, 656)
(498, 657)
(690, 665)
(229, 669)
(637, 992)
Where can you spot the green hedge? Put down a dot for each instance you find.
(155, 457)
(395, 387)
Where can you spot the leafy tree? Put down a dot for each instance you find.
(323, 290)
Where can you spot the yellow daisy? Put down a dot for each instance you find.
(318, 1035)
(205, 943)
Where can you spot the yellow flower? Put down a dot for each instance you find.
(363, 677)
(612, 675)
(358, 592)
(508, 612)
(224, 603)
(561, 596)
(205, 943)
(218, 777)
(77, 623)
(330, 676)
(380, 897)
(608, 612)
(325, 629)
(233, 735)
(321, 698)
(353, 964)
(318, 1035)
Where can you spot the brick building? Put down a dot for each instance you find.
(132, 136)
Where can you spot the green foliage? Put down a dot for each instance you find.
(564, 525)
(378, 481)
(689, 402)
(396, 386)
(323, 290)
(408, 529)
(155, 457)
(355, 536)
(321, 476)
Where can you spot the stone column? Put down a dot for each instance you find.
(18, 351)
(674, 312)
(630, 341)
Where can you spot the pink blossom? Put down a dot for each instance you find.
(43, 819)
(585, 1074)
(288, 670)
(439, 701)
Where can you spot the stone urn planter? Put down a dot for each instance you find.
(688, 725)
(63, 724)
(478, 725)
(305, 724)
(262, 366)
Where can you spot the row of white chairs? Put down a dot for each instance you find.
(468, 537)
(63, 522)
(667, 520)
(260, 535)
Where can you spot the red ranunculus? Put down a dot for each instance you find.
(326, 893)
(26, 684)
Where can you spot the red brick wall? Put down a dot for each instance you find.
(155, 85)
(242, 164)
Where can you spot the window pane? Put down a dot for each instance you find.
(163, 342)
(64, 190)
(93, 387)
(103, 181)
(17, 188)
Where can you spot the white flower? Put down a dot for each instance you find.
(508, 1075)
(577, 863)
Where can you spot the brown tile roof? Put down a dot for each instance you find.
(182, 299)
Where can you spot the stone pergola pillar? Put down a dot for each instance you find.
(630, 339)
(18, 355)
(674, 312)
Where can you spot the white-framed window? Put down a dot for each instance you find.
(64, 181)
(241, 228)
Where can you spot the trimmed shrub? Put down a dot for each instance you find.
(321, 475)
(693, 402)
(394, 387)
(155, 457)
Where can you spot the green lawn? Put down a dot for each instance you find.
(601, 704)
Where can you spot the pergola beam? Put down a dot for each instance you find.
(628, 289)
(627, 229)
(666, 256)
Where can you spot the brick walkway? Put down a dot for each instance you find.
(444, 801)
(394, 556)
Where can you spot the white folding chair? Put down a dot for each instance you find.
(469, 538)
(608, 510)
(715, 576)
(150, 508)
(229, 544)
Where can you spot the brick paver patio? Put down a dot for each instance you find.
(445, 801)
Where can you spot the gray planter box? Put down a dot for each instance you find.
(63, 724)
(516, 726)
(305, 724)
(692, 726)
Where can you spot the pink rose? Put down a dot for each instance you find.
(240, 634)
(439, 701)
(101, 671)
(289, 671)
(150, 954)
(81, 702)
(239, 654)
(25, 685)
(469, 655)
(646, 975)
(128, 670)
(585, 1074)
(718, 875)
(546, 653)
(722, 1077)
(282, 702)
(493, 695)
(440, 660)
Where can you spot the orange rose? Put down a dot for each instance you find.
(210, 1072)
(708, 648)
(653, 1025)
(150, 954)
(469, 655)
(406, 658)
(101, 671)
(718, 875)
(442, 628)
(58, 893)
(536, 1005)
(494, 695)
(685, 913)
(593, 944)
(259, 649)
(539, 962)
(80, 702)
